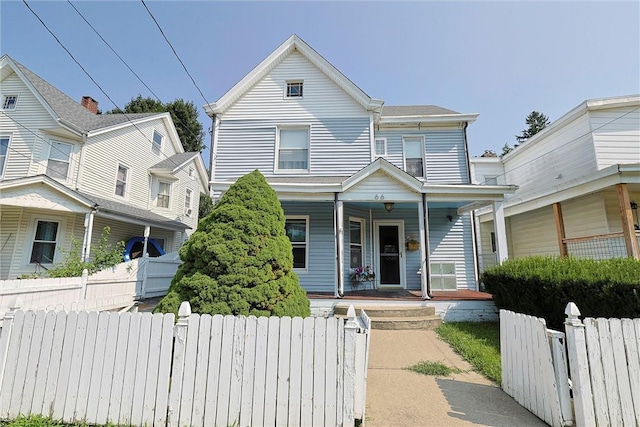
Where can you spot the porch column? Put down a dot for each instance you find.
(423, 223)
(627, 221)
(557, 214)
(147, 229)
(339, 232)
(88, 233)
(502, 252)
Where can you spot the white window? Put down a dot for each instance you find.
(122, 178)
(293, 150)
(164, 194)
(191, 173)
(59, 158)
(297, 229)
(443, 276)
(187, 202)
(44, 243)
(4, 152)
(294, 89)
(381, 146)
(9, 102)
(413, 156)
(356, 242)
(157, 142)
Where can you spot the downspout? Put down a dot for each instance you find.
(466, 151)
(81, 161)
(339, 236)
(88, 233)
(215, 123)
(427, 247)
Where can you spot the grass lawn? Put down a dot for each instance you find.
(478, 343)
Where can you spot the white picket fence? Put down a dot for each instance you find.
(603, 359)
(109, 289)
(139, 369)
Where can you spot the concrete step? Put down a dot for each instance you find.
(398, 311)
(404, 323)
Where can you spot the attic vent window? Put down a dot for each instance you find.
(294, 89)
(9, 102)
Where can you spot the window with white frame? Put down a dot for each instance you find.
(9, 102)
(356, 242)
(4, 152)
(187, 202)
(157, 142)
(44, 242)
(294, 89)
(381, 147)
(164, 194)
(293, 150)
(413, 156)
(297, 229)
(191, 173)
(491, 180)
(443, 276)
(122, 178)
(59, 159)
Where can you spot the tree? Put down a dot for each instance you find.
(239, 261)
(184, 115)
(506, 149)
(536, 122)
(205, 206)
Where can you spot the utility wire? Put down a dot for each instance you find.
(129, 68)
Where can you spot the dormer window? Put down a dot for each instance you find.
(9, 102)
(157, 142)
(294, 89)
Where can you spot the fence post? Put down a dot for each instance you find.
(5, 332)
(83, 283)
(579, 367)
(351, 327)
(558, 356)
(177, 369)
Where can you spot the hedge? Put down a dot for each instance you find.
(542, 287)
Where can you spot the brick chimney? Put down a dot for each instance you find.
(90, 104)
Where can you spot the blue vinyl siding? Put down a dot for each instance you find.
(445, 153)
(320, 274)
(337, 146)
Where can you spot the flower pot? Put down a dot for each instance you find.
(413, 246)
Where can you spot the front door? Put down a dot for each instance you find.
(390, 253)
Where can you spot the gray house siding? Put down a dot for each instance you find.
(445, 152)
(337, 146)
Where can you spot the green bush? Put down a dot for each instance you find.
(542, 287)
(103, 256)
(239, 260)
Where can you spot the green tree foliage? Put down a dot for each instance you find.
(183, 113)
(206, 205)
(239, 261)
(104, 255)
(536, 122)
(506, 149)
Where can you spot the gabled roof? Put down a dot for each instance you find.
(293, 43)
(388, 168)
(47, 182)
(64, 109)
(175, 162)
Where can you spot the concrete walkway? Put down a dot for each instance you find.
(397, 397)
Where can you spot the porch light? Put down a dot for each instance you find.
(388, 206)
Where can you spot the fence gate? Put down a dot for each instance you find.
(141, 369)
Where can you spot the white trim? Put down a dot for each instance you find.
(276, 169)
(59, 242)
(15, 103)
(127, 182)
(363, 238)
(293, 82)
(188, 209)
(422, 153)
(51, 141)
(154, 145)
(430, 119)
(307, 242)
(3, 164)
(157, 194)
(401, 253)
(375, 146)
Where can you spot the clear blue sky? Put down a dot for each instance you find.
(499, 59)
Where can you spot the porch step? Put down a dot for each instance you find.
(395, 317)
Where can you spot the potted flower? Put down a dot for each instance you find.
(412, 243)
(362, 274)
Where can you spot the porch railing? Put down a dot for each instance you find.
(601, 246)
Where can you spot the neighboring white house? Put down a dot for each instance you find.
(66, 171)
(361, 184)
(578, 185)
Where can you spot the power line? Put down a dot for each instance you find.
(174, 52)
(91, 78)
(129, 68)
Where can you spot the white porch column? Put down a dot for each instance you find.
(339, 211)
(502, 252)
(88, 234)
(147, 230)
(423, 224)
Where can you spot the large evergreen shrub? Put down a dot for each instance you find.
(239, 260)
(542, 287)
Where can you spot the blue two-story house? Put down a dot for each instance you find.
(361, 184)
